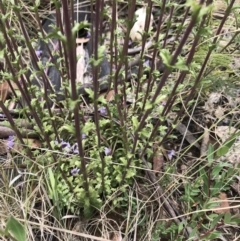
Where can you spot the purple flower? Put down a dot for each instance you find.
(10, 142)
(75, 171)
(2, 116)
(65, 144)
(163, 103)
(88, 35)
(66, 147)
(75, 148)
(107, 151)
(147, 63)
(38, 53)
(171, 154)
(129, 42)
(103, 110)
(84, 136)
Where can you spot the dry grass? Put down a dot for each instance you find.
(142, 215)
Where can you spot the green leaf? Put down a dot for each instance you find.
(192, 234)
(16, 229)
(180, 227)
(89, 126)
(90, 93)
(195, 6)
(5, 17)
(211, 204)
(130, 173)
(69, 128)
(227, 218)
(2, 53)
(213, 236)
(148, 105)
(235, 221)
(181, 64)
(218, 186)
(205, 10)
(37, 4)
(73, 104)
(135, 122)
(102, 99)
(57, 34)
(216, 170)
(205, 180)
(224, 149)
(210, 153)
(216, 218)
(123, 160)
(101, 51)
(166, 57)
(78, 26)
(51, 178)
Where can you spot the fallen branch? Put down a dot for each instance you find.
(5, 132)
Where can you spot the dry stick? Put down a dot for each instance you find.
(27, 133)
(186, 133)
(205, 142)
(16, 129)
(184, 130)
(6, 132)
(72, 70)
(139, 49)
(160, 194)
(95, 71)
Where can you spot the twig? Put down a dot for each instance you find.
(139, 49)
(6, 132)
(160, 194)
